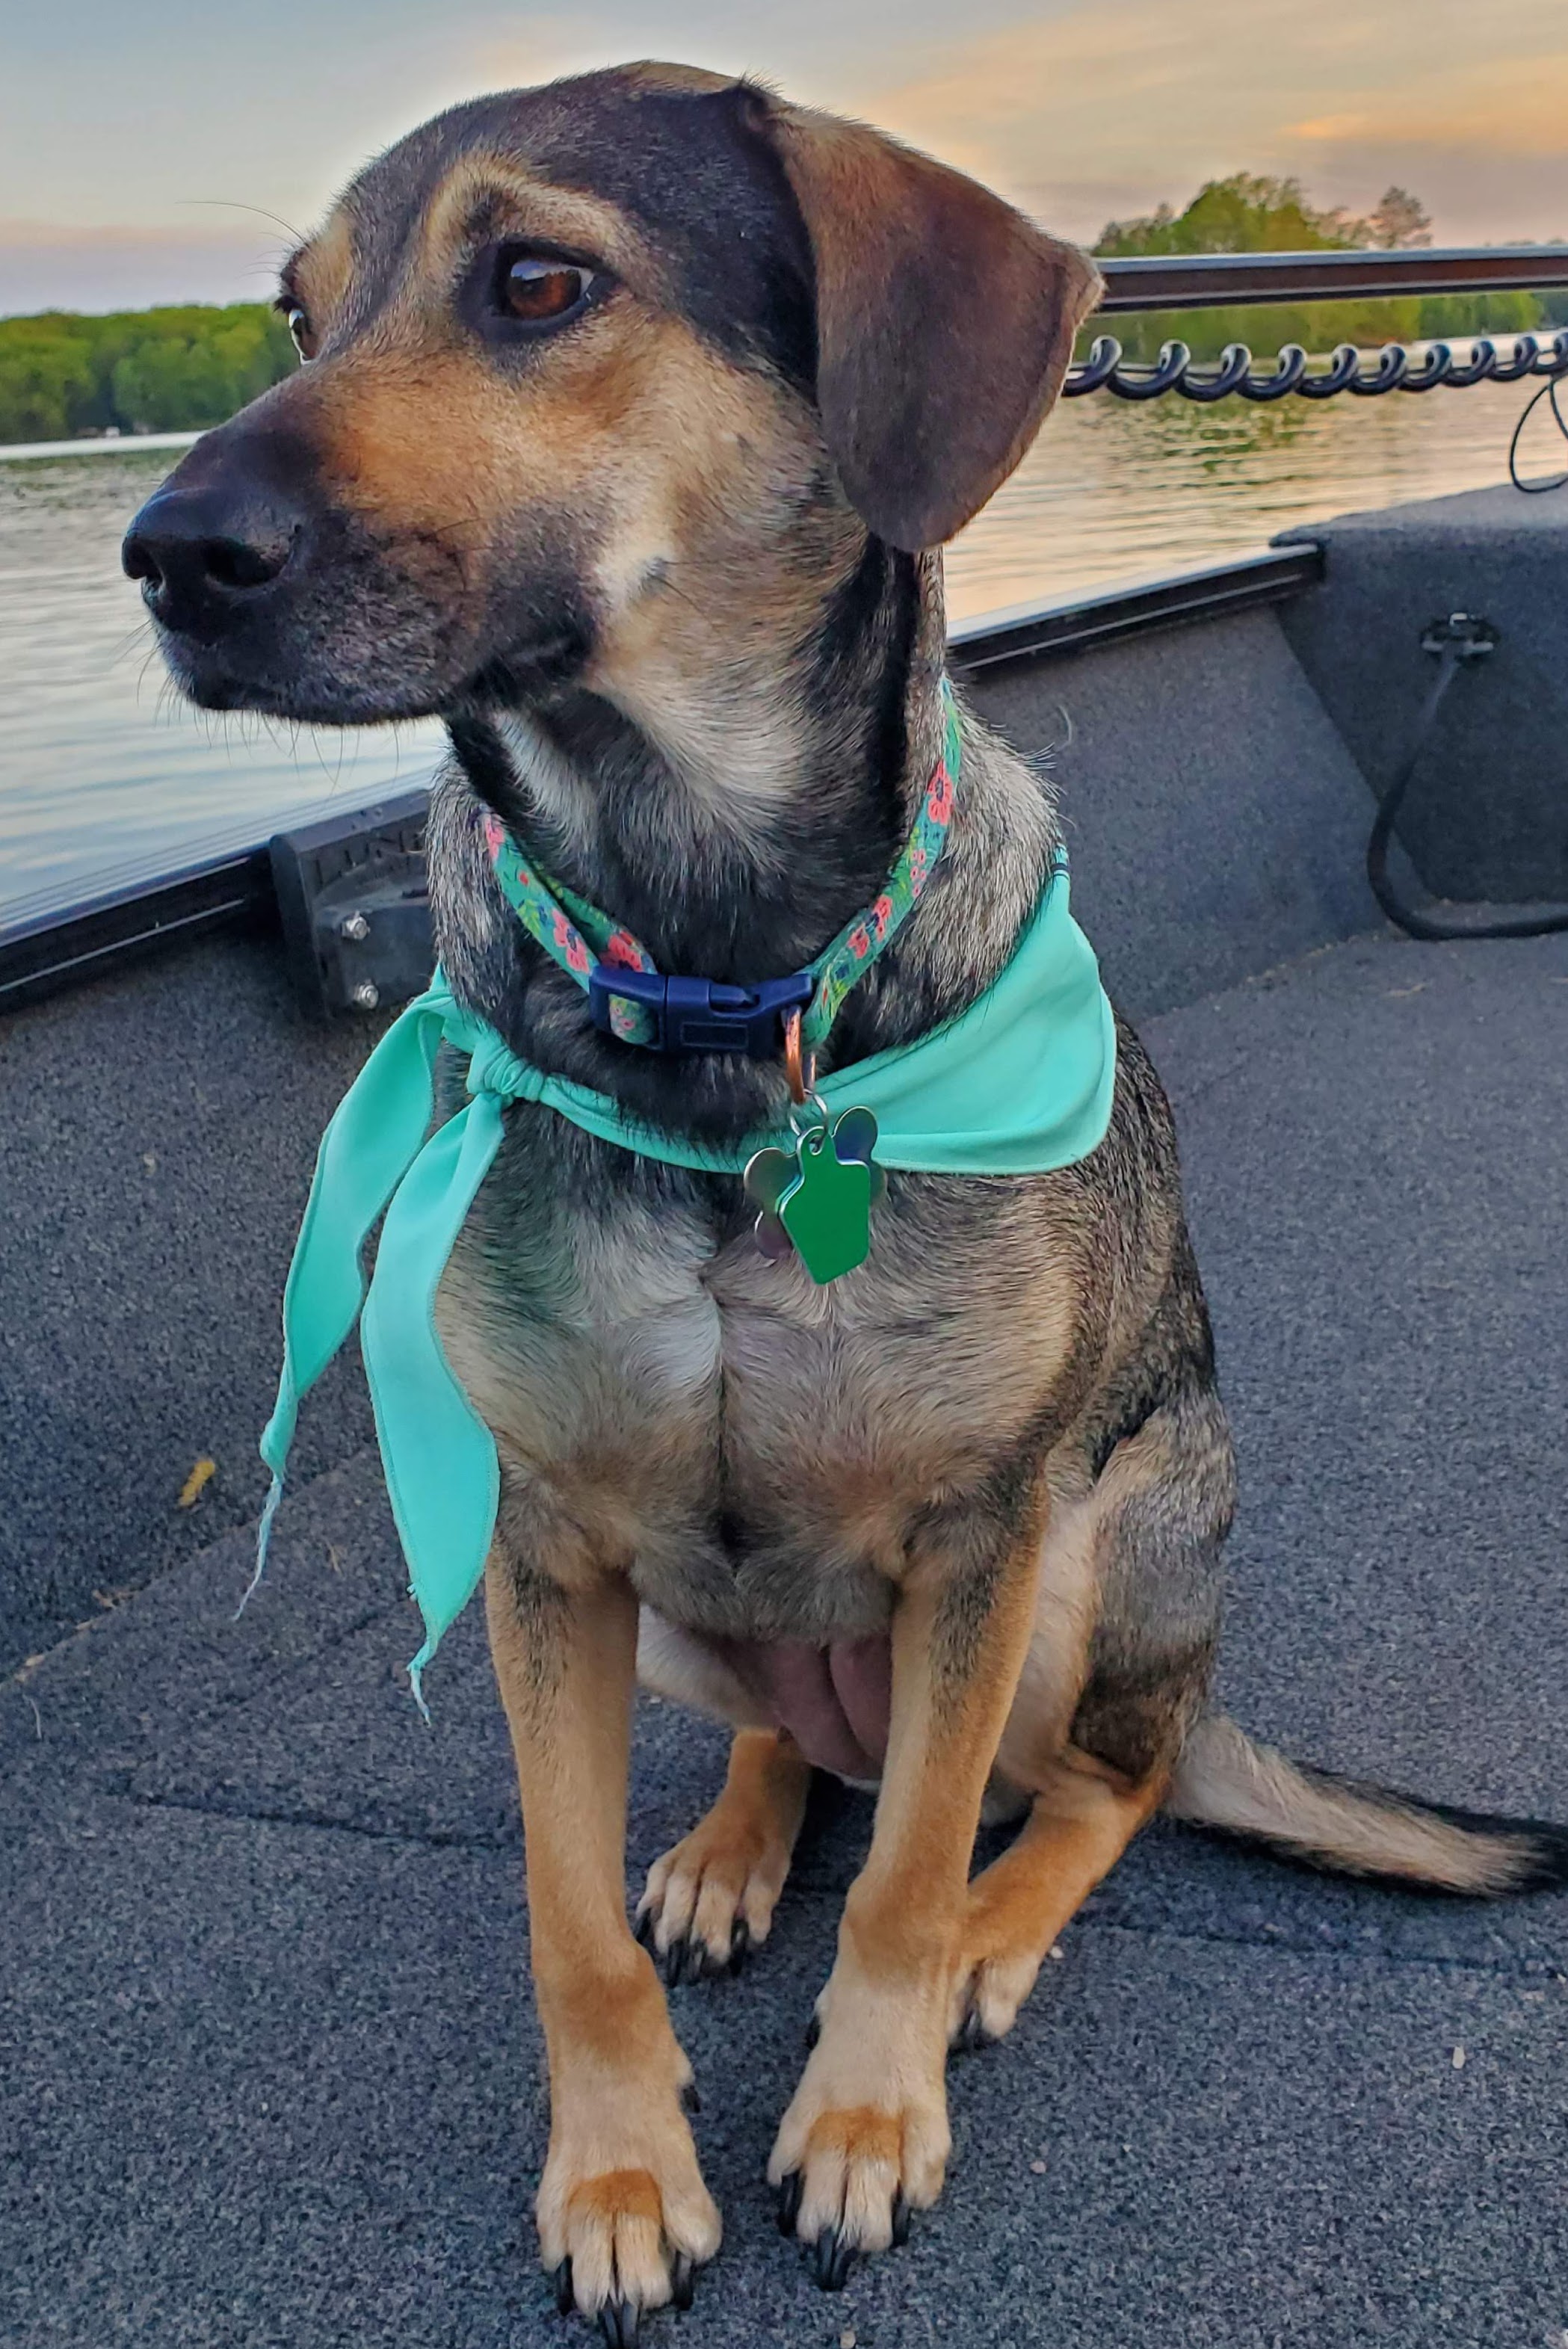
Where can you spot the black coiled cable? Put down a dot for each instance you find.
(1548, 391)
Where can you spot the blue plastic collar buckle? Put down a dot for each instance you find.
(701, 1014)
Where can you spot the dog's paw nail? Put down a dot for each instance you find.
(813, 2031)
(739, 1946)
(970, 2034)
(643, 1929)
(902, 2215)
(683, 2281)
(691, 2102)
(684, 1963)
(834, 2259)
(618, 2323)
(791, 2189)
(561, 2284)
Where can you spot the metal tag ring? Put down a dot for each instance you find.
(810, 1116)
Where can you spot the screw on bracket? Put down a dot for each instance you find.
(365, 996)
(354, 927)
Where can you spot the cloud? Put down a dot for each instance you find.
(1083, 110)
(1152, 97)
(1484, 105)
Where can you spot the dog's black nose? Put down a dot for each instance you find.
(200, 553)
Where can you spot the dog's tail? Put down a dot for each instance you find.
(1225, 1780)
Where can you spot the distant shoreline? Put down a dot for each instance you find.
(100, 443)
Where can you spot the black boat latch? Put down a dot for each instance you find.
(356, 907)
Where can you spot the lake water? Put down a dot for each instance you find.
(105, 777)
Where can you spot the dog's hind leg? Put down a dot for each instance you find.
(709, 1901)
(1117, 1671)
(624, 2215)
(1077, 1828)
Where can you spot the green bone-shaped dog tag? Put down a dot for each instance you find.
(828, 1213)
(818, 1198)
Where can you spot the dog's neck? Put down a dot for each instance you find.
(735, 803)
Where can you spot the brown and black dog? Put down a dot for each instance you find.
(637, 407)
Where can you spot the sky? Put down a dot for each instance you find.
(172, 150)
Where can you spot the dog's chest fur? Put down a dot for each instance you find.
(754, 1450)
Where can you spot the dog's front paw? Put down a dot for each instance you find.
(865, 2140)
(624, 2225)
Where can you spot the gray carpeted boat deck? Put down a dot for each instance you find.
(268, 2067)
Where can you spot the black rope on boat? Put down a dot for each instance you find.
(1392, 370)
(1548, 391)
(1459, 641)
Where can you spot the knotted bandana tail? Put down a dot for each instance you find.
(435, 1451)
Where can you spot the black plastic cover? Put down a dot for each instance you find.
(354, 905)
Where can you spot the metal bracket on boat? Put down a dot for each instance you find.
(356, 907)
(1471, 639)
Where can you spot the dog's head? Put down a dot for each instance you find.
(643, 342)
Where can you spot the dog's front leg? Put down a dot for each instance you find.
(624, 2215)
(865, 2140)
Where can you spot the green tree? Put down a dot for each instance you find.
(1245, 213)
(1251, 214)
(168, 370)
(46, 382)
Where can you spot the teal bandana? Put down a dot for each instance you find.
(1020, 1083)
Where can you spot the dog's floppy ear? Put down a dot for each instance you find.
(945, 322)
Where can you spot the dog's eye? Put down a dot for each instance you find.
(538, 291)
(299, 327)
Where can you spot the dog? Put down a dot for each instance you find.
(637, 410)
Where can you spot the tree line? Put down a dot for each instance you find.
(1251, 214)
(168, 371)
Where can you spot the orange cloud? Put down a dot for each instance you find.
(1500, 105)
(1161, 93)
(1336, 126)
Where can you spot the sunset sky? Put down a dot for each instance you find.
(132, 137)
